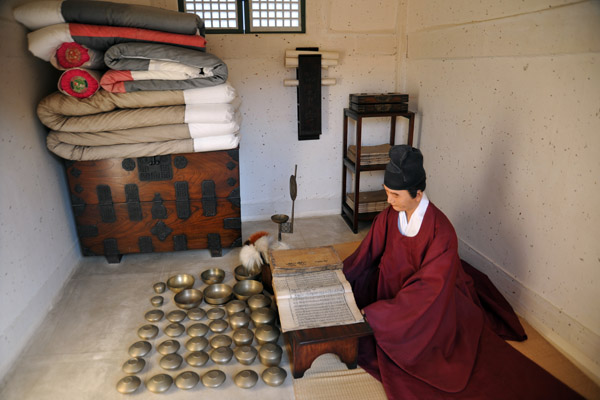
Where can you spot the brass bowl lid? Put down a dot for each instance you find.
(262, 316)
(215, 313)
(196, 314)
(176, 315)
(242, 336)
(159, 287)
(197, 329)
(274, 376)
(217, 293)
(246, 379)
(212, 275)
(197, 358)
(239, 320)
(266, 334)
(241, 274)
(178, 282)
(128, 384)
(140, 349)
(196, 343)
(187, 380)
(258, 301)
(169, 346)
(245, 354)
(134, 365)
(174, 330)
(220, 341)
(235, 306)
(270, 354)
(170, 361)
(218, 326)
(213, 378)
(148, 331)
(244, 289)
(157, 301)
(154, 315)
(188, 298)
(221, 355)
(159, 383)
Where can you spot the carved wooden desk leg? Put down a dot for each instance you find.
(302, 355)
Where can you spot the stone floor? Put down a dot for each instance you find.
(79, 348)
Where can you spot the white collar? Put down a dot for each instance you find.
(411, 228)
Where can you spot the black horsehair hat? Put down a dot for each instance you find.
(405, 169)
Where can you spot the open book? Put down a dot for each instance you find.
(313, 298)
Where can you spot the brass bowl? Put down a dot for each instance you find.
(220, 341)
(274, 376)
(235, 306)
(266, 334)
(212, 275)
(176, 316)
(157, 301)
(218, 326)
(246, 379)
(159, 383)
(258, 301)
(128, 384)
(221, 355)
(242, 337)
(187, 380)
(170, 361)
(241, 274)
(270, 354)
(239, 320)
(244, 289)
(262, 316)
(140, 348)
(213, 378)
(197, 358)
(245, 354)
(134, 365)
(159, 287)
(217, 293)
(188, 298)
(178, 282)
(168, 347)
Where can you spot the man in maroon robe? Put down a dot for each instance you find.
(433, 336)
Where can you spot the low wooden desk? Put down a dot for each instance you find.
(305, 345)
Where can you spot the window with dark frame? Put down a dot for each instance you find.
(248, 16)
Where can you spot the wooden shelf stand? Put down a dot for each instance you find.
(352, 215)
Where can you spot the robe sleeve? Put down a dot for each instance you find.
(420, 329)
(361, 268)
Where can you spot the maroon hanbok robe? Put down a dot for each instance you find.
(433, 337)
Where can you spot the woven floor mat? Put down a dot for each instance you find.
(330, 379)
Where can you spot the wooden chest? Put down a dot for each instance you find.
(157, 204)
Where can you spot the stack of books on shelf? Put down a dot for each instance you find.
(371, 155)
(379, 102)
(368, 201)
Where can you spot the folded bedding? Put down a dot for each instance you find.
(81, 153)
(38, 14)
(151, 66)
(43, 43)
(105, 111)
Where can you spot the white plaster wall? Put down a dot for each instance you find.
(38, 244)
(508, 96)
(365, 35)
